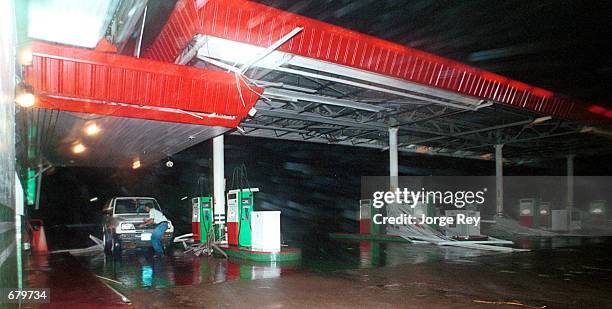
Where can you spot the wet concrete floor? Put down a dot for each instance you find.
(559, 273)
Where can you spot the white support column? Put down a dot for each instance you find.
(570, 188)
(219, 182)
(499, 180)
(393, 164)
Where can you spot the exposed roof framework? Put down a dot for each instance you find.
(321, 83)
(425, 127)
(327, 84)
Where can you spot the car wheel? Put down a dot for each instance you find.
(107, 239)
(116, 248)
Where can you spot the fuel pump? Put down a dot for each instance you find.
(239, 208)
(195, 220)
(204, 206)
(232, 217)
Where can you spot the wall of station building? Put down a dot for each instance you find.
(8, 242)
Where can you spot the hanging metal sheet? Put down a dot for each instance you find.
(260, 25)
(80, 80)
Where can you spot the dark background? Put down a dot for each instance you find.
(557, 45)
(317, 187)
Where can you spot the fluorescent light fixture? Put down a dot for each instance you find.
(184, 198)
(541, 120)
(93, 199)
(587, 129)
(72, 22)
(595, 130)
(483, 105)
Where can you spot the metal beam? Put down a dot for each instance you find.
(270, 49)
(265, 127)
(295, 95)
(461, 134)
(313, 117)
(375, 88)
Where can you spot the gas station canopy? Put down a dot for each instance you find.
(308, 80)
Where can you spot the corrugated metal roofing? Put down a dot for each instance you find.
(119, 143)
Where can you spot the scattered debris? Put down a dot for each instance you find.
(123, 297)
(512, 303)
(109, 279)
(99, 246)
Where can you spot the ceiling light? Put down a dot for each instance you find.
(184, 198)
(24, 95)
(25, 56)
(136, 164)
(169, 163)
(93, 199)
(26, 99)
(78, 148)
(92, 129)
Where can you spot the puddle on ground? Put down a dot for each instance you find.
(138, 269)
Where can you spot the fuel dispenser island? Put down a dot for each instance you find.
(239, 216)
(202, 218)
(243, 234)
(254, 235)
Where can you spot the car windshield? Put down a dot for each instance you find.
(134, 205)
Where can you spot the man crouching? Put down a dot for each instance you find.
(160, 221)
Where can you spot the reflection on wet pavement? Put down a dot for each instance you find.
(524, 279)
(138, 269)
(71, 285)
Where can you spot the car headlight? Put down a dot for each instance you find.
(127, 226)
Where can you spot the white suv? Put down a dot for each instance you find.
(122, 216)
